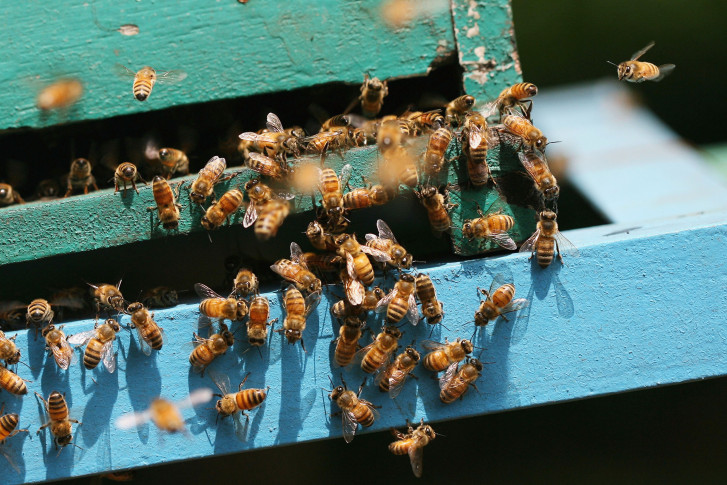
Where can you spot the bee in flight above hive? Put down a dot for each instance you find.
(146, 77)
(412, 443)
(636, 71)
(166, 415)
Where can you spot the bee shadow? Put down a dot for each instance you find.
(143, 381)
(98, 409)
(36, 354)
(54, 378)
(127, 197)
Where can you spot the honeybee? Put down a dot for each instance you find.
(159, 297)
(166, 415)
(499, 300)
(413, 444)
(354, 410)
(80, 178)
(517, 95)
(347, 341)
(126, 172)
(437, 208)
(321, 142)
(72, 298)
(8, 196)
(434, 161)
(12, 382)
(381, 194)
(58, 419)
(547, 239)
(475, 143)
(458, 108)
(337, 121)
(151, 335)
(296, 273)
(272, 215)
(429, 120)
(47, 189)
(344, 308)
(354, 289)
(538, 169)
(173, 161)
(62, 94)
(245, 283)
(455, 382)
(209, 175)
(236, 403)
(99, 345)
(297, 310)
(304, 177)
(492, 226)
(267, 166)
(216, 306)
(146, 77)
(394, 376)
(328, 262)
(531, 137)
(399, 167)
(357, 262)
(259, 194)
(9, 352)
(56, 342)
(207, 349)
(221, 211)
(387, 243)
(400, 301)
(319, 238)
(39, 313)
(257, 324)
(389, 136)
(377, 353)
(444, 355)
(107, 296)
(636, 71)
(373, 92)
(8, 423)
(166, 200)
(358, 198)
(330, 186)
(432, 308)
(275, 143)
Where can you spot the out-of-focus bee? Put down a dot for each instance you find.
(236, 403)
(245, 283)
(347, 341)
(216, 306)
(319, 238)
(499, 300)
(151, 336)
(166, 200)
(394, 376)
(209, 175)
(258, 323)
(56, 342)
(99, 345)
(444, 355)
(9, 352)
(389, 136)
(58, 419)
(259, 194)
(492, 226)
(352, 286)
(458, 108)
(146, 77)
(304, 177)
(272, 215)
(297, 310)
(429, 120)
(221, 211)
(208, 349)
(434, 161)
(331, 186)
(377, 353)
(47, 189)
(297, 273)
(547, 239)
(357, 261)
(354, 410)
(413, 444)
(72, 298)
(437, 208)
(12, 382)
(475, 142)
(173, 161)
(275, 143)
(373, 92)
(531, 137)
(636, 71)
(401, 301)
(455, 382)
(80, 178)
(8, 196)
(432, 309)
(39, 313)
(63, 93)
(160, 297)
(517, 95)
(166, 415)
(126, 173)
(538, 169)
(386, 242)
(107, 296)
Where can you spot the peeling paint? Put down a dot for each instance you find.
(480, 53)
(473, 31)
(472, 10)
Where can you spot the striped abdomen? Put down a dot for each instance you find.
(8, 423)
(384, 384)
(374, 359)
(152, 335)
(397, 309)
(294, 302)
(357, 199)
(409, 175)
(230, 201)
(330, 188)
(545, 249)
(503, 295)
(520, 91)
(454, 389)
(364, 269)
(218, 308)
(363, 414)
(12, 383)
(270, 219)
(92, 355)
(143, 83)
(201, 356)
(437, 145)
(346, 344)
(39, 310)
(436, 361)
(499, 223)
(250, 398)
(402, 447)
(57, 408)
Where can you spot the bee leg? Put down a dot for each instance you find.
(560, 257)
(504, 317)
(133, 184)
(243, 381)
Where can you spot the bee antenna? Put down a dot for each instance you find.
(612, 63)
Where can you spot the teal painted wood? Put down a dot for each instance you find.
(582, 336)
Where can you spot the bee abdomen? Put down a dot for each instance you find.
(13, 384)
(92, 355)
(142, 89)
(545, 252)
(250, 398)
(453, 391)
(395, 312)
(57, 408)
(503, 295)
(436, 361)
(8, 423)
(372, 361)
(201, 356)
(400, 447)
(363, 415)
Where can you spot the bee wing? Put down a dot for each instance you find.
(530, 243)
(448, 375)
(385, 231)
(384, 302)
(109, 356)
(259, 157)
(11, 462)
(196, 397)
(350, 268)
(221, 380)
(371, 237)
(515, 305)
(413, 313)
(396, 382)
(475, 136)
(250, 215)
(296, 252)
(249, 136)
(346, 172)
(123, 71)
(273, 123)
(566, 247)
(373, 409)
(431, 345)
(349, 425)
(641, 52)
(204, 291)
(416, 457)
(171, 77)
(132, 420)
(497, 282)
(355, 291)
(143, 344)
(285, 196)
(311, 302)
(528, 161)
(81, 338)
(63, 354)
(239, 426)
(503, 240)
(378, 255)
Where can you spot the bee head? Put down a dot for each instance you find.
(164, 154)
(46, 330)
(468, 101)
(547, 215)
(393, 332)
(258, 342)
(14, 359)
(206, 223)
(408, 278)
(134, 307)
(315, 286)
(467, 346)
(4, 190)
(64, 440)
(129, 171)
(532, 90)
(467, 229)
(292, 335)
(429, 432)
(407, 261)
(412, 353)
(113, 324)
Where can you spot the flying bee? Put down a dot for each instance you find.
(275, 143)
(492, 225)
(319, 238)
(9, 352)
(442, 356)
(39, 313)
(209, 175)
(8, 196)
(272, 215)
(357, 260)
(347, 341)
(58, 419)
(538, 169)
(400, 301)
(267, 166)
(455, 382)
(166, 200)
(331, 186)
(297, 273)
(547, 239)
(437, 208)
(432, 309)
(297, 310)
(636, 71)
(208, 349)
(499, 300)
(56, 342)
(236, 403)
(377, 353)
(126, 173)
(354, 410)
(394, 376)
(304, 177)
(151, 335)
(146, 77)
(99, 345)
(107, 296)
(173, 161)
(458, 108)
(373, 92)
(387, 243)
(12, 382)
(258, 323)
(166, 415)
(245, 283)
(354, 289)
(389, 136)
(61, 94)
(429, 120)
(517, 95)
(475, 142)
(80, 177)
(531, 137)
(434, 161)
(259, 194)
(160, 297)
(413, 444)
(221, 211)
(216, 306)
